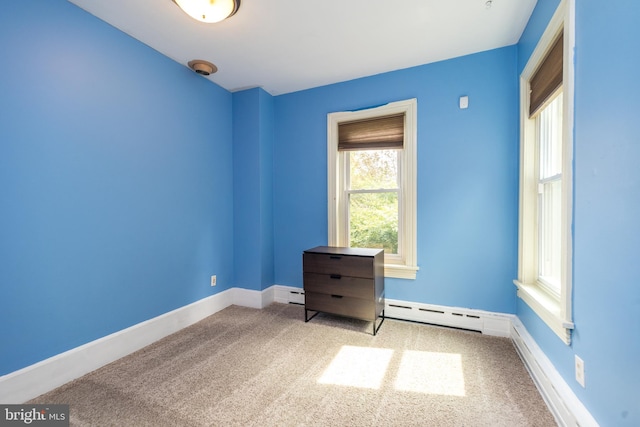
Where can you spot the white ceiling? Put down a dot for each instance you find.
(289, 45)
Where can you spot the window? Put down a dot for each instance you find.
(372, 183)
(546, 148)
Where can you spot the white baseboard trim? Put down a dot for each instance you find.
(561, 400)
(249, 298)
(34, 380)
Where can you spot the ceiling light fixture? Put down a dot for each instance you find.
(209, 11)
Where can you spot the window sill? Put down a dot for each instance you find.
(399, 271)
(547, 307)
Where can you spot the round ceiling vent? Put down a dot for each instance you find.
(203, 67)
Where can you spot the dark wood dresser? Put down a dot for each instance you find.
(344, 281)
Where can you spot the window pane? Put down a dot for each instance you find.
(550, 244)
(550, 134)
(373, 221)
(373, 169)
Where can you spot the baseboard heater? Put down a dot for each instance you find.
(489, 323)
(296, 297)
(437, 317)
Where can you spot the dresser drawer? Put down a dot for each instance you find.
(343, 265)
(341, 305)
(345, 286)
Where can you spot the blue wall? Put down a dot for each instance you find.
(115, 182)
(467, 176)
(606, 297)
(253, 188)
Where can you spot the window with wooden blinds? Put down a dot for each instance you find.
(547, 78)
(377, 133)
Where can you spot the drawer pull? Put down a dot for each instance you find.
(336, 276)
(335, 257)
(336, 296)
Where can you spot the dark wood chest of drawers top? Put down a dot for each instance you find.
(344, 281)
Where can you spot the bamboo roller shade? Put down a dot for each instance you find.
(375, 133)
(547, 78)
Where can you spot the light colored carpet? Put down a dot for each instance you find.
(248, 367)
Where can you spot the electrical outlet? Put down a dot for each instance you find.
(213, 280)
(580, 371)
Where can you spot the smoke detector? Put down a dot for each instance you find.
(203, 67)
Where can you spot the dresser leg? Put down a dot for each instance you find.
(306, 316)
(376, 329)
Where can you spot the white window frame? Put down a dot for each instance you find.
(405, 267)
(555, 310)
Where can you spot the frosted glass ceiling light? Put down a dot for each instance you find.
(209, 11)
